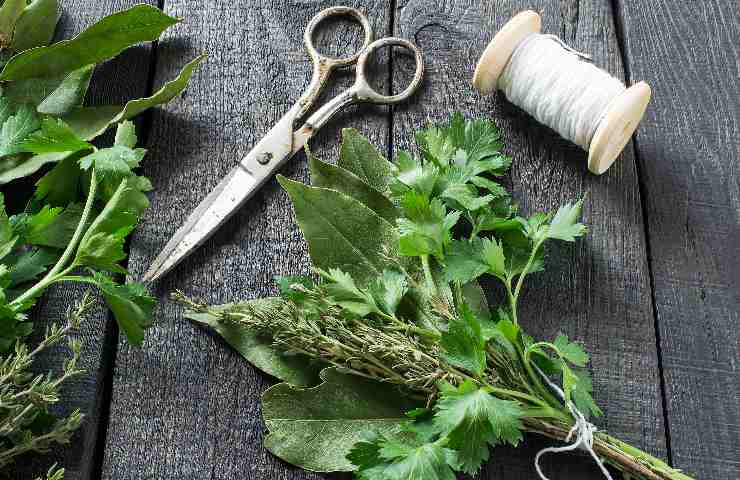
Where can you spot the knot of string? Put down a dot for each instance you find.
(551, 81)
(582, 429)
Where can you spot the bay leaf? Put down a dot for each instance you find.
(342, 232)
(259, 351)
(314, 428)
(55, 95)
(360, 157)
(101, 41)
(10, 11)
(36, 25)
(336, 178)
(90, 122)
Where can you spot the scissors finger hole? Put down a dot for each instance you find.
(341, 34)
(408, 70)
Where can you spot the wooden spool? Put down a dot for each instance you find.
(623, 113)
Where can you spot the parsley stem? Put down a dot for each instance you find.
(428, 275)
(52, 275)
(527, 267)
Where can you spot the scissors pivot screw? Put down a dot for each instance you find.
(264, 158)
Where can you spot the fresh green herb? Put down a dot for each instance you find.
(397, 303)
(75, 223)
(26, 421)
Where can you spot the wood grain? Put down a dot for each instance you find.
(114, 82)
(689, 152)
(596, 291)
(186, 405)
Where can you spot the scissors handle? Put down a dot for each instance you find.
(323, 65)
(361, 91)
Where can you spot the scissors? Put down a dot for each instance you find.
(282, 142)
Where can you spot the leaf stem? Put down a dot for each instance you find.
(428, 275)
(52, 275)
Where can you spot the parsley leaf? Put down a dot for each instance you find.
(54, 136)
(383, 458)
(344, 292)
(16, 128)
(463, 342)
(388, 290)
(571, 351)
(131, 304)
(473, 419)
(564, 225)
(427, 226)
(102, 244)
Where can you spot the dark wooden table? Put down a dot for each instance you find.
(652, 292)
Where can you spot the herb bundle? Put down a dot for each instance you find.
(75, 223)
(419, 378)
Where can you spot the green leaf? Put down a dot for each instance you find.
(341, 232)
(463, 261)
(463, 342)
(258, 350)
(113, 163)
(53, 227)
(54, 136)
(398, 460)
(473, 419)
(571, 351)
(564, 225)
(413, 174)
(343, 291)
(466, 260)
(60, 186)
(15, 130)
(102, 41)
(10, 11)
(56, 95)
(7, 235)
(493, 254)
(131, 304)
(360, 157)
(36, 25)
(315, 428)
(475, 297)
(12, 168)
(581, 393)
(168, 91)
(426, 228)
(388, 290)
(102, 244)
(467, 196)
(30, 265)
(126, 135)
(336, 178)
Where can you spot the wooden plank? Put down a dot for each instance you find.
(689, 151)
(186, 405)
(113, 83)
(598, 291)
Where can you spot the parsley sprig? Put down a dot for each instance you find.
(396, 301)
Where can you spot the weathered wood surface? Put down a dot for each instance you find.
(598, 291)
(113, 83)
(688, 149)
(185, 405)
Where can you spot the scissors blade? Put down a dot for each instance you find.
(230, 194)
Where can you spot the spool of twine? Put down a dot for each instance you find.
(560, 88)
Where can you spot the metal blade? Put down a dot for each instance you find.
(218, 206)
(232, 192)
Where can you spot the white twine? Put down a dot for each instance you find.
(583, 429)
(551, 82)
